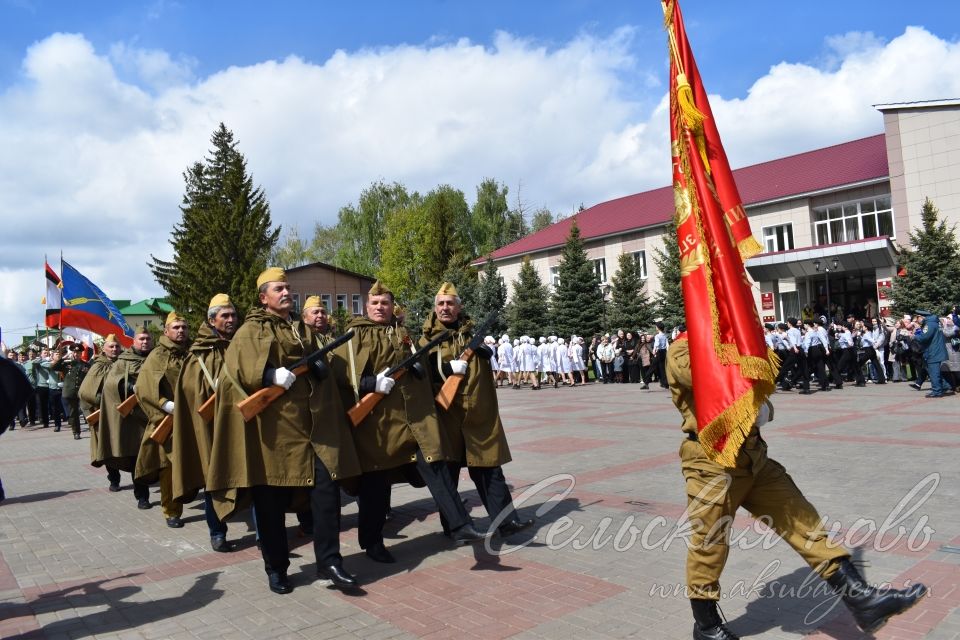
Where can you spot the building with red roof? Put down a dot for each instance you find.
(829, 219)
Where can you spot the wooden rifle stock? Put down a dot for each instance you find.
(256, 402)
(362, 409)
(128, 405)
(206, 409)
(450, 386)
(162, 430)
(94, 418)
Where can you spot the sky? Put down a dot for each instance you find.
(103, 105)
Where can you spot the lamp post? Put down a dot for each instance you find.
(827, 265)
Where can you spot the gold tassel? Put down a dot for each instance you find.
(692, 117)
(749, 247)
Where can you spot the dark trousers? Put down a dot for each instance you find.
(870, 355)
(815, 359)
(141, 490)
(42, 395)
(32, 408)
(217, 527)
(847, 359)
(607, 371)
(788, 368)
(56, 407)
(270, 508)
(373, 500)
(494, 494)
(803, 370)
(661, 367)
(633, 370)
(73, 404)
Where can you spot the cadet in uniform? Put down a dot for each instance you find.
(761, 486)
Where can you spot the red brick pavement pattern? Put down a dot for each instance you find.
(937, 427)
(562, 445)
(481, 599)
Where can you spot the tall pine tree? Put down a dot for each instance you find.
(669, 300)
(224, 237)
(932, 265)
(492, 296)
(527, 313)
(629, 306)
(577, 304)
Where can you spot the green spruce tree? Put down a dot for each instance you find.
(527, 313)
(492, 296)
(931, 266)
(224, 236)
(577, 305)
(669, 300)
(629, 306)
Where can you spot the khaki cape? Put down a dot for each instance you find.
(192, 437)
(118, 439)
(278, 447)
(158, 379)
(473, 420)
(406, 418)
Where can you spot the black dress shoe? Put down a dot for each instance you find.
(338, 577)
(379, 553)
(221, 545)
(76, 436)
(143, 503)
(513, 526)
(915, 386)
(114, 488)
(174, 522)
(467, 534)
(279, 583)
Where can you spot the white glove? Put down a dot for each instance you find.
(763, 417)
(459, 367)
(384, 383)
(283, 377)
(167, 406)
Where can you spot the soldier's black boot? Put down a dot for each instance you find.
(871, 607)
(707, 623)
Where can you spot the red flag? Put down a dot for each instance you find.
(732, 371)
(52, 297)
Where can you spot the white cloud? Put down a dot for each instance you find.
(95, 143)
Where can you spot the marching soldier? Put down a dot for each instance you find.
(118, 437)
(762, 486)
(192, 436)
(473, 420)
(297, 448)
(158, 379)
(90, 391)
(400, 430)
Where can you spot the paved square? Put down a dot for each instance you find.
(596, 465)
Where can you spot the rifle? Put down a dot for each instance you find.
(93, 418)
(260, 400)
(128, 405)
(452, 383)
(366, 404)
(206, 409)
(162, 430)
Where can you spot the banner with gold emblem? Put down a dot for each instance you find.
(733, 372)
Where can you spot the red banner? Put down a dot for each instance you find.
(733, 373)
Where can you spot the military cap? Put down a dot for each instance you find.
(172, 317)
(447, 289)
(271, 274)
(219, 300)
(313, 301)
(378, 289)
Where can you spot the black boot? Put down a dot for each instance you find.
(707, 623)
(871, 607)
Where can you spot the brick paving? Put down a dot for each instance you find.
(597, 466)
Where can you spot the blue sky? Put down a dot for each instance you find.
(104, 104)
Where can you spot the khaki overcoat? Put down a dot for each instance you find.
(118, 438)
(277, 447)
(155, 386)
(473, 420)
(406, 418)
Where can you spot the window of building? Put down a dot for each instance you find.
(778, 238)
(555, 276)
(357, 304)
(870, 218)
(327, 301)
(641, 258)
(341, 300)
(296, 303)
(600, 266)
